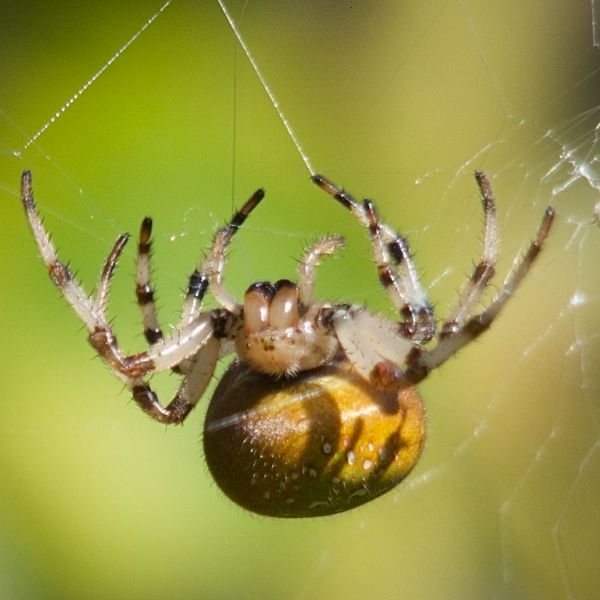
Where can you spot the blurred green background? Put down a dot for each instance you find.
(397, 100)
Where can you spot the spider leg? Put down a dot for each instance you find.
(165, 354)
(211, 268)
(484, 270)
(144, 290)
(59, 272)
(420, 361)
(372, 344)
(199, 371)
(103, 289)
(181, 344)
(389, 248)
(310, 260)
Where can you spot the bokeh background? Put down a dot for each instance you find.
(398, 100)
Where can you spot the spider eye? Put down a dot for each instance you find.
(319, 443)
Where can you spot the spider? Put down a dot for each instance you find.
(319, 413)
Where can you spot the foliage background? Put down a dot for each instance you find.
(98, 501)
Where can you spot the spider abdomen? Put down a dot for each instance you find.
(322, 442)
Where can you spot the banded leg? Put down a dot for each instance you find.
(211, 268)
(100, 303)
(420, 362)
(310, 260)
(144, 291)
(82, 304)
(193, 343)
(181, 344)
(485, 268)
(199, 371)
(402, 283)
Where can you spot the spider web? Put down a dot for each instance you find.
(122, 110)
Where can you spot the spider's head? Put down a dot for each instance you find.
(270, 332)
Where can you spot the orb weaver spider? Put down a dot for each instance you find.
(319, 413)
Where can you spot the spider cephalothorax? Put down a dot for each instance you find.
(280, 335)
(320, 412)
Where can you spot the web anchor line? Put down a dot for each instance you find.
(267, 88)
(63, 109)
